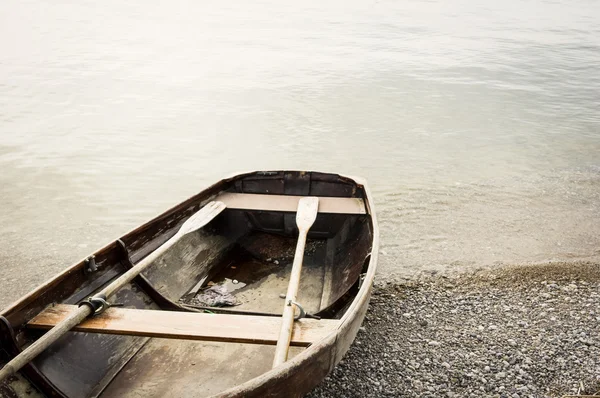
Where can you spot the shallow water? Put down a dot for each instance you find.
(477, 125)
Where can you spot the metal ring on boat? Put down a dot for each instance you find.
(98, 304)
(302, 312)
(102, 304)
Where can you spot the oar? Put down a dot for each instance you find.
(307, 213)
(195, 222)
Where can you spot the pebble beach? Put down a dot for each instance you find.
(519, 331)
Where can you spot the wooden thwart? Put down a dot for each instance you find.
(188, 326)
(289, 203)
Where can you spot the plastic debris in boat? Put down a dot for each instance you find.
(215, 296)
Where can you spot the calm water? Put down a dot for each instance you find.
(476, 123)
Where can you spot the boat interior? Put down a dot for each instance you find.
(205, 316)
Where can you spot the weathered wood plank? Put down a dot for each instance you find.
(245, 201)
(189, 326)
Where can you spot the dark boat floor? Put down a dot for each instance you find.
(177, 368)
(257, 275)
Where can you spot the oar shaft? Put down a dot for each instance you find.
(287, 321)
(138, 268)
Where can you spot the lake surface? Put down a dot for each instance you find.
(477, 124)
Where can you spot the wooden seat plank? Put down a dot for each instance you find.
(188, 325)
(289, 203)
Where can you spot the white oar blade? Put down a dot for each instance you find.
(202, 217)
(307, 212)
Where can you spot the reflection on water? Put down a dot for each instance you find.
(477, 125)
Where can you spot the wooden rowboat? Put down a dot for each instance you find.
(205, 316)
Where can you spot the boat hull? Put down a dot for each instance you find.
(133, 365)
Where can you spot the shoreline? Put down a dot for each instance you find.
(514, 331)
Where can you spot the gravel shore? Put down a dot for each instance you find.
(528, 331)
